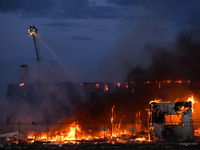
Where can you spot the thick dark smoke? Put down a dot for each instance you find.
(63, 102)
(179, 60)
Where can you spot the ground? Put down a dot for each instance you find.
(143, 146)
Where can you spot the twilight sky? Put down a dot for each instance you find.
(94, 40)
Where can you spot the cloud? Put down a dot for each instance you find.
(80, 38)
(123, 2)
(114, 9)
(63, 9)
(64, 24)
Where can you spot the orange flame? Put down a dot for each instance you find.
(118, 84)
(105, 87)
(191, 99)
(21, 84)
(74, 134)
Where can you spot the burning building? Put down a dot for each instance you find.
(170, 121)
(29, 92)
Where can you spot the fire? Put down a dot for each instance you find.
(179, 81)
(97, 85)
(113, 116)
(105, 87)
(191, 99)
(140, 139)
(173, 119)
(63, 136)
(156, 101)
(74, 135)
(118, 84)
(21, 84)
(112, 133)
(138, 121)
(168, 81)
(147, 82)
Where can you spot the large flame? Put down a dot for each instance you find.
(112, 133)
(73, 134)
(191, 99)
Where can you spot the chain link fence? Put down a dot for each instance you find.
(82, 132)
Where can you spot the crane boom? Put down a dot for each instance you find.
(32, 30)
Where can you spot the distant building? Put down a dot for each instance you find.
(23, 72)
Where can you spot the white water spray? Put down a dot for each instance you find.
(60, 63)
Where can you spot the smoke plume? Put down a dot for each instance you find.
(178, 60)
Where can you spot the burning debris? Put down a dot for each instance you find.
(74, 134)
(170, 121)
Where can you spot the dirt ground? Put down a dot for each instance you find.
(138, 146)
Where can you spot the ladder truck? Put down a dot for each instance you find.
(32, 30)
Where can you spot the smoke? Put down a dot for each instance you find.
(46, 96)
(68, 71)
(172, 60)
(51, 52)
(178, 60)
(54, 99)
(129, 49)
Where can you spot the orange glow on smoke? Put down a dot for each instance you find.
(118, 84)
(97, 85)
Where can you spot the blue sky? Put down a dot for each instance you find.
(96, 40)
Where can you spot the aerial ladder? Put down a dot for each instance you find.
(32, 30)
